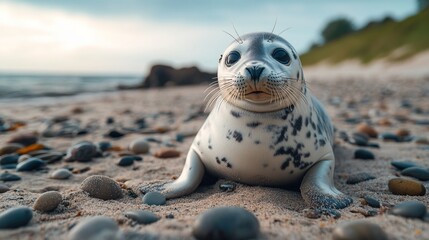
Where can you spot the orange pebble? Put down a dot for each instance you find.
(31, 148)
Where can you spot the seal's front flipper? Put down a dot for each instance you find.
(318, 190)
(190, 178)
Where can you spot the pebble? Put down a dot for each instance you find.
(358, 230)
(387, 136)
(138, 158)
(372, 202)
(126, 161)
(24, 157)
(402, 132)
(359, 139)
(6, 177)
(102, 187)
(226, 223)
(10, 148)
(114, 134)
(51, 157)
(359, 177)
(31, 148)
(227, 187)
(139, 146)
(403, 186)
(424, 122)
(104, 146)
(96, 228)
(409, 209)
(167, 153)
(48, 201)
(24, 139)
(420, 173)
(15, 217)
(61, 173)
(154, 198)
(142, 216)
(4, 188)
(110, 120)
(400, 165)
(363, 154)
(9, 159)
(30, 165)
(421, 140)
(367, 129)
(81, 152)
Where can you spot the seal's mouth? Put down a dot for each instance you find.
(257, 96)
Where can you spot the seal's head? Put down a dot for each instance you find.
(261, 72)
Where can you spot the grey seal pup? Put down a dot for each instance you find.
(265, 128)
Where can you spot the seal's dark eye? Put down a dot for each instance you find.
(232, 58)
(281, 55)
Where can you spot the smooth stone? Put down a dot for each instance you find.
(10, 148)
(48, 201)
(358, 230)
(367, 129)
(9, 159)
(102, 187)
(152, 139)
(372, 202)
(421, 122)
(51, 157)
(154, 198)
(30, 165)
(402, 132)
(421, 174)
(96, 228)
(363, 154)
(400, 165)
(139, 146)
(15, 217)
(126, 161)
(61, 173)
(227, 187)
(115, 134)
(359, 141)
(226, 223)
(138, 158)
(4, 188)
(9, 166)
(104, 146)
(24, 157)
(24, 139)
(403, 186)
(421, 140)
(359, 177)
(6, 177)
(142, 216)
(81, 152)
(167, 153)
(389, 137)
(110, 120)
(410, 209)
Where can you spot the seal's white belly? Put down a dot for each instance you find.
(269, 149)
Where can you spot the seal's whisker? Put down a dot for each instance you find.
(272, 32)
(232, 36)
(284, 30)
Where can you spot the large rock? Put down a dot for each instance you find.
(164, 76)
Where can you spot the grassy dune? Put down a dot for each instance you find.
(393, 41)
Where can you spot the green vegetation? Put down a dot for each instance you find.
(387, 39)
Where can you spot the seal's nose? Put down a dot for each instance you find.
(255, 72)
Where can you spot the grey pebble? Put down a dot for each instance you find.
(51, 157)
(102, 187)
(363, 154)
(96, 228)
(142, 216)
(227, 186)
(154, 198)
(359, 230)
(6, 177)
(61, 173)
(126, 161)
(48, 201)
(226, 223)
(10, 148)
(410, 209)
(386, 136)
(104, 146)
(359, 177)
(9, 159)
(15, 217)
(372, 202)
(416, 172)
(4, 188)
(8, 166)
(81, 152)
(402, 164)
(139, 146)
(30, 165)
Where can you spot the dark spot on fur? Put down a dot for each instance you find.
(224, 159)
(282, 136)
(235, 114)
(198, 143)
(306, 121)
(297, 125)
(308, 134)
(322, 142)
(297, 75)
(210, 147)
(228, 165)
(217, 160)
(306, 155)
(237, 136)
(265, 165)
(253, 124)
(295, 156)
(285, 164)
(257, 142)
(291, 171)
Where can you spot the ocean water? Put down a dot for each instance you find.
(20, 87)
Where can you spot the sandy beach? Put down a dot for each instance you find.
(387, 106)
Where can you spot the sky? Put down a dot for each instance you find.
(128, 36)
